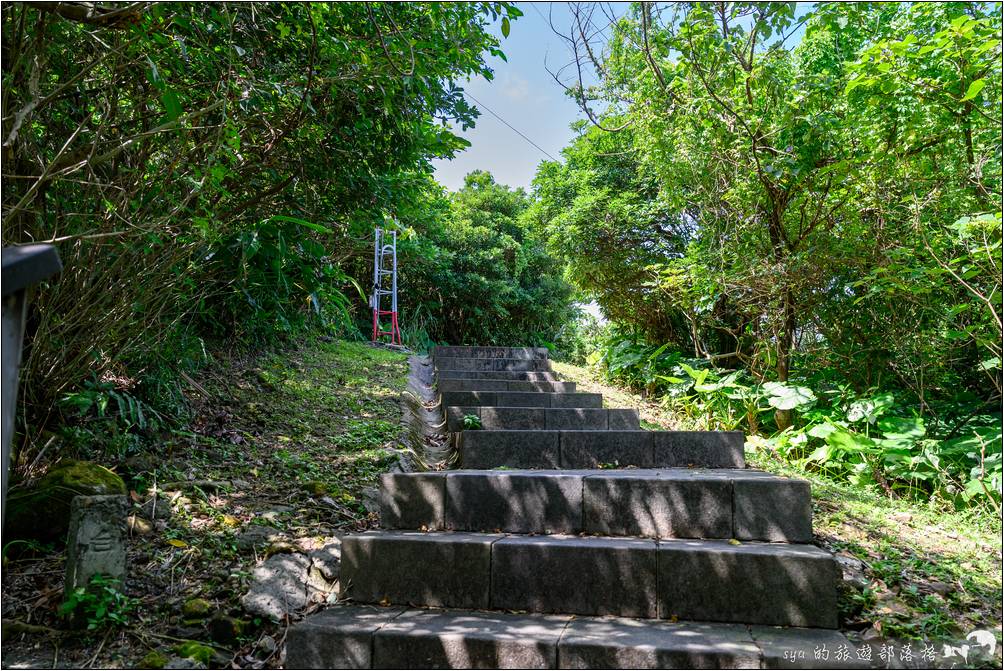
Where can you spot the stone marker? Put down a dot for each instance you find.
(96, 542)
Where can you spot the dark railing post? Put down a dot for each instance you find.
(23, 267)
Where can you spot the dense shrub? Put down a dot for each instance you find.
(482, 275)
(206, 169)
(875, 437)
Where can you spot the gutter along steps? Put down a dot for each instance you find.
(616, 547)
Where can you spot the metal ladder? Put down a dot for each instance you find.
(382, 251)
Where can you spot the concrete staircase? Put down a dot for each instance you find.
(571, 538)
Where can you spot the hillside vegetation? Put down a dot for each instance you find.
(788, 214)
(276, 461)
(793, 224)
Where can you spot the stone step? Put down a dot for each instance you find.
(485, 364)
(467, 352)
(351, 636)
(668, 503)
(598, 449)
(710, 580)
(504, 385)
(535, 376)
(523, 399)
(536, 419)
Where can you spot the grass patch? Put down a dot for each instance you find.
(288, 441)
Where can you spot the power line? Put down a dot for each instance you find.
(513, 129)
(534, 6)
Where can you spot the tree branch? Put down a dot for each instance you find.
(94, 15)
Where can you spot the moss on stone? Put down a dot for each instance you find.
(196, 609)
(83, 477)
(152, 660)
(195, 651)
(315, 488)
(43, 512)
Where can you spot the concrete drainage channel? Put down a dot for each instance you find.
(427, 438)
(570, 538)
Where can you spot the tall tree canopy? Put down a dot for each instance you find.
(839, 198)
(482, 274)
(227, 154)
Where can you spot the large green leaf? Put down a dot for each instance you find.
(869, 409)
(785, 396)
(851, 443)
(302, 222)
(974, 89)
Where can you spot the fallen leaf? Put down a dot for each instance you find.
(177, 543)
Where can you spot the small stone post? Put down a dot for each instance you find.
(96, 542)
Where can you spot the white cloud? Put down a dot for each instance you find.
(514, 87)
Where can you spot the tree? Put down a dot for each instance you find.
(607, 220)
(807, 172)
(225, 154)
(481, 275)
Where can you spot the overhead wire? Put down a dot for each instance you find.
(511, 127)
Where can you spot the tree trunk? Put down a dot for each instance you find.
(784, 347)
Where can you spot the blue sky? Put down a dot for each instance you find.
(526, 96)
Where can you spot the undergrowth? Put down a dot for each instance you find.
(286, 444)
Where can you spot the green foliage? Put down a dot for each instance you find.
(578, 339)
(208, 170)
(282, 276)
(870, 439)
(100, 605)
(784, 396)
(480, 274)
(472, 422)
(799, 235)
(103, 421)
(96, 398)
(769, 198)
(603, 215)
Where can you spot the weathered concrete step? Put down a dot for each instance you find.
(600, 449)
(712, 580)
(371, 637)
(523, 399)
(668, 503)
(534, 419)
(504, 385)
(466, 352)
(485, 364)
(537, 376)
